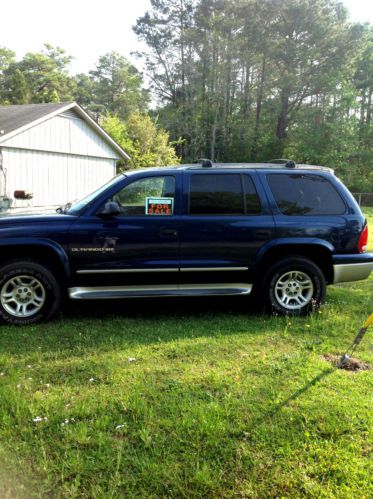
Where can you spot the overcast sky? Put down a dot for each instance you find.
(87, 29)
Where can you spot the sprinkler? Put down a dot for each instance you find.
(346, 357)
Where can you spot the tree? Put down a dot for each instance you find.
(116, 86)
(39, 77)
(142, 139)
(7, 57)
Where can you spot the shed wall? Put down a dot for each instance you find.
(53, 178)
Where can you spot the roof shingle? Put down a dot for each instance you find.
(14, 117)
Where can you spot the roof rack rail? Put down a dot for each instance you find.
(289, 163)
(206, 163)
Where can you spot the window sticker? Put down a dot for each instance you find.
(159, 206)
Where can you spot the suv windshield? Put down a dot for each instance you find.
(75, 207)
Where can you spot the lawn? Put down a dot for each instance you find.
(187, 398)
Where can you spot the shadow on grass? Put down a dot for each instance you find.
(284, 403)
(153, 308)
(89, 325)
(302, 390)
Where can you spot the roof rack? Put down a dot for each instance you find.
(206, 163)
(289, 163)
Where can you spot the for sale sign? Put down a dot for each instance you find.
(159, 206)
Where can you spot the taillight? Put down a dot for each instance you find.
(363, 240)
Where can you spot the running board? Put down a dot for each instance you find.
(109, 293)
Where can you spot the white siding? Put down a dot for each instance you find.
(53, 178)
(63, 134)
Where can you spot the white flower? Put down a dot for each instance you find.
(37, 419)
(29, 366)
(132, 359)
(119, 426)
(1, 374)
(91, 380)
(30, 379)
(47, 385)
(18, 386)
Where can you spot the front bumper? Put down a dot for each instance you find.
(352, 267)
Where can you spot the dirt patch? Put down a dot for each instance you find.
(351, 364)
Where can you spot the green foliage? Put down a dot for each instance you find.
(146, 142)
(38, 77)
(254, 80)
(187, 399)
(117, 86)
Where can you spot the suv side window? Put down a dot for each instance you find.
(305, 194)
(147, 196)
(217, 194)
(251, 196)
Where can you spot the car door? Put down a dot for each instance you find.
(226, 222)
(139, 246)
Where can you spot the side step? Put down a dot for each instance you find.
(109, 293)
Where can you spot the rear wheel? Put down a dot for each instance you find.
(294, 286)
(29, 293)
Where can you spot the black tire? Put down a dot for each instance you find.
(294, 286)
(31, 287)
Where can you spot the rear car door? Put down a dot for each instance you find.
(225, 223)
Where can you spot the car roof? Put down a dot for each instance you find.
(235, 166)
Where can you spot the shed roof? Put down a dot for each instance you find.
(16, 118)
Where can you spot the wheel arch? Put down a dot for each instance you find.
(43, 252)
(318, 253)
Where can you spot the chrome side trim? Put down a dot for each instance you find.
(112, 292)
(347, 272)
(183, 269)
(125, 271)
(212, 269)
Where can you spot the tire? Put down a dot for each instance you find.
(29, 293)
(294, 286)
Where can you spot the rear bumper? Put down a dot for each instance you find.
(352, 267)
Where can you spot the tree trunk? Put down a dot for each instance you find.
(282, 120)
(258, 110)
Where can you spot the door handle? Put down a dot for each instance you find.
(168, 233)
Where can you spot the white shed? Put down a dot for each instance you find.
(55, 151)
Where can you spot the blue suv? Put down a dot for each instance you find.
(280, 232)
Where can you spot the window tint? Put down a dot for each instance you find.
(251, 196)
(147, 196)
(216, 195)
(309, 194)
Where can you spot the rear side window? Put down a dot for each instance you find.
(297, 194)
(216, 195)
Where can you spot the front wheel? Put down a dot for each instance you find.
(29, 293)
(294, 286)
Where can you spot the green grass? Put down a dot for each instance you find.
(187, 399)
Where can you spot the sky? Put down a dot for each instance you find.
(87, 29)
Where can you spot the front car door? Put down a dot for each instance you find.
(137, 250)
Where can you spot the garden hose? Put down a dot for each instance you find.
(360, 335)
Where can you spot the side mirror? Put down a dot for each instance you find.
(111, 209)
